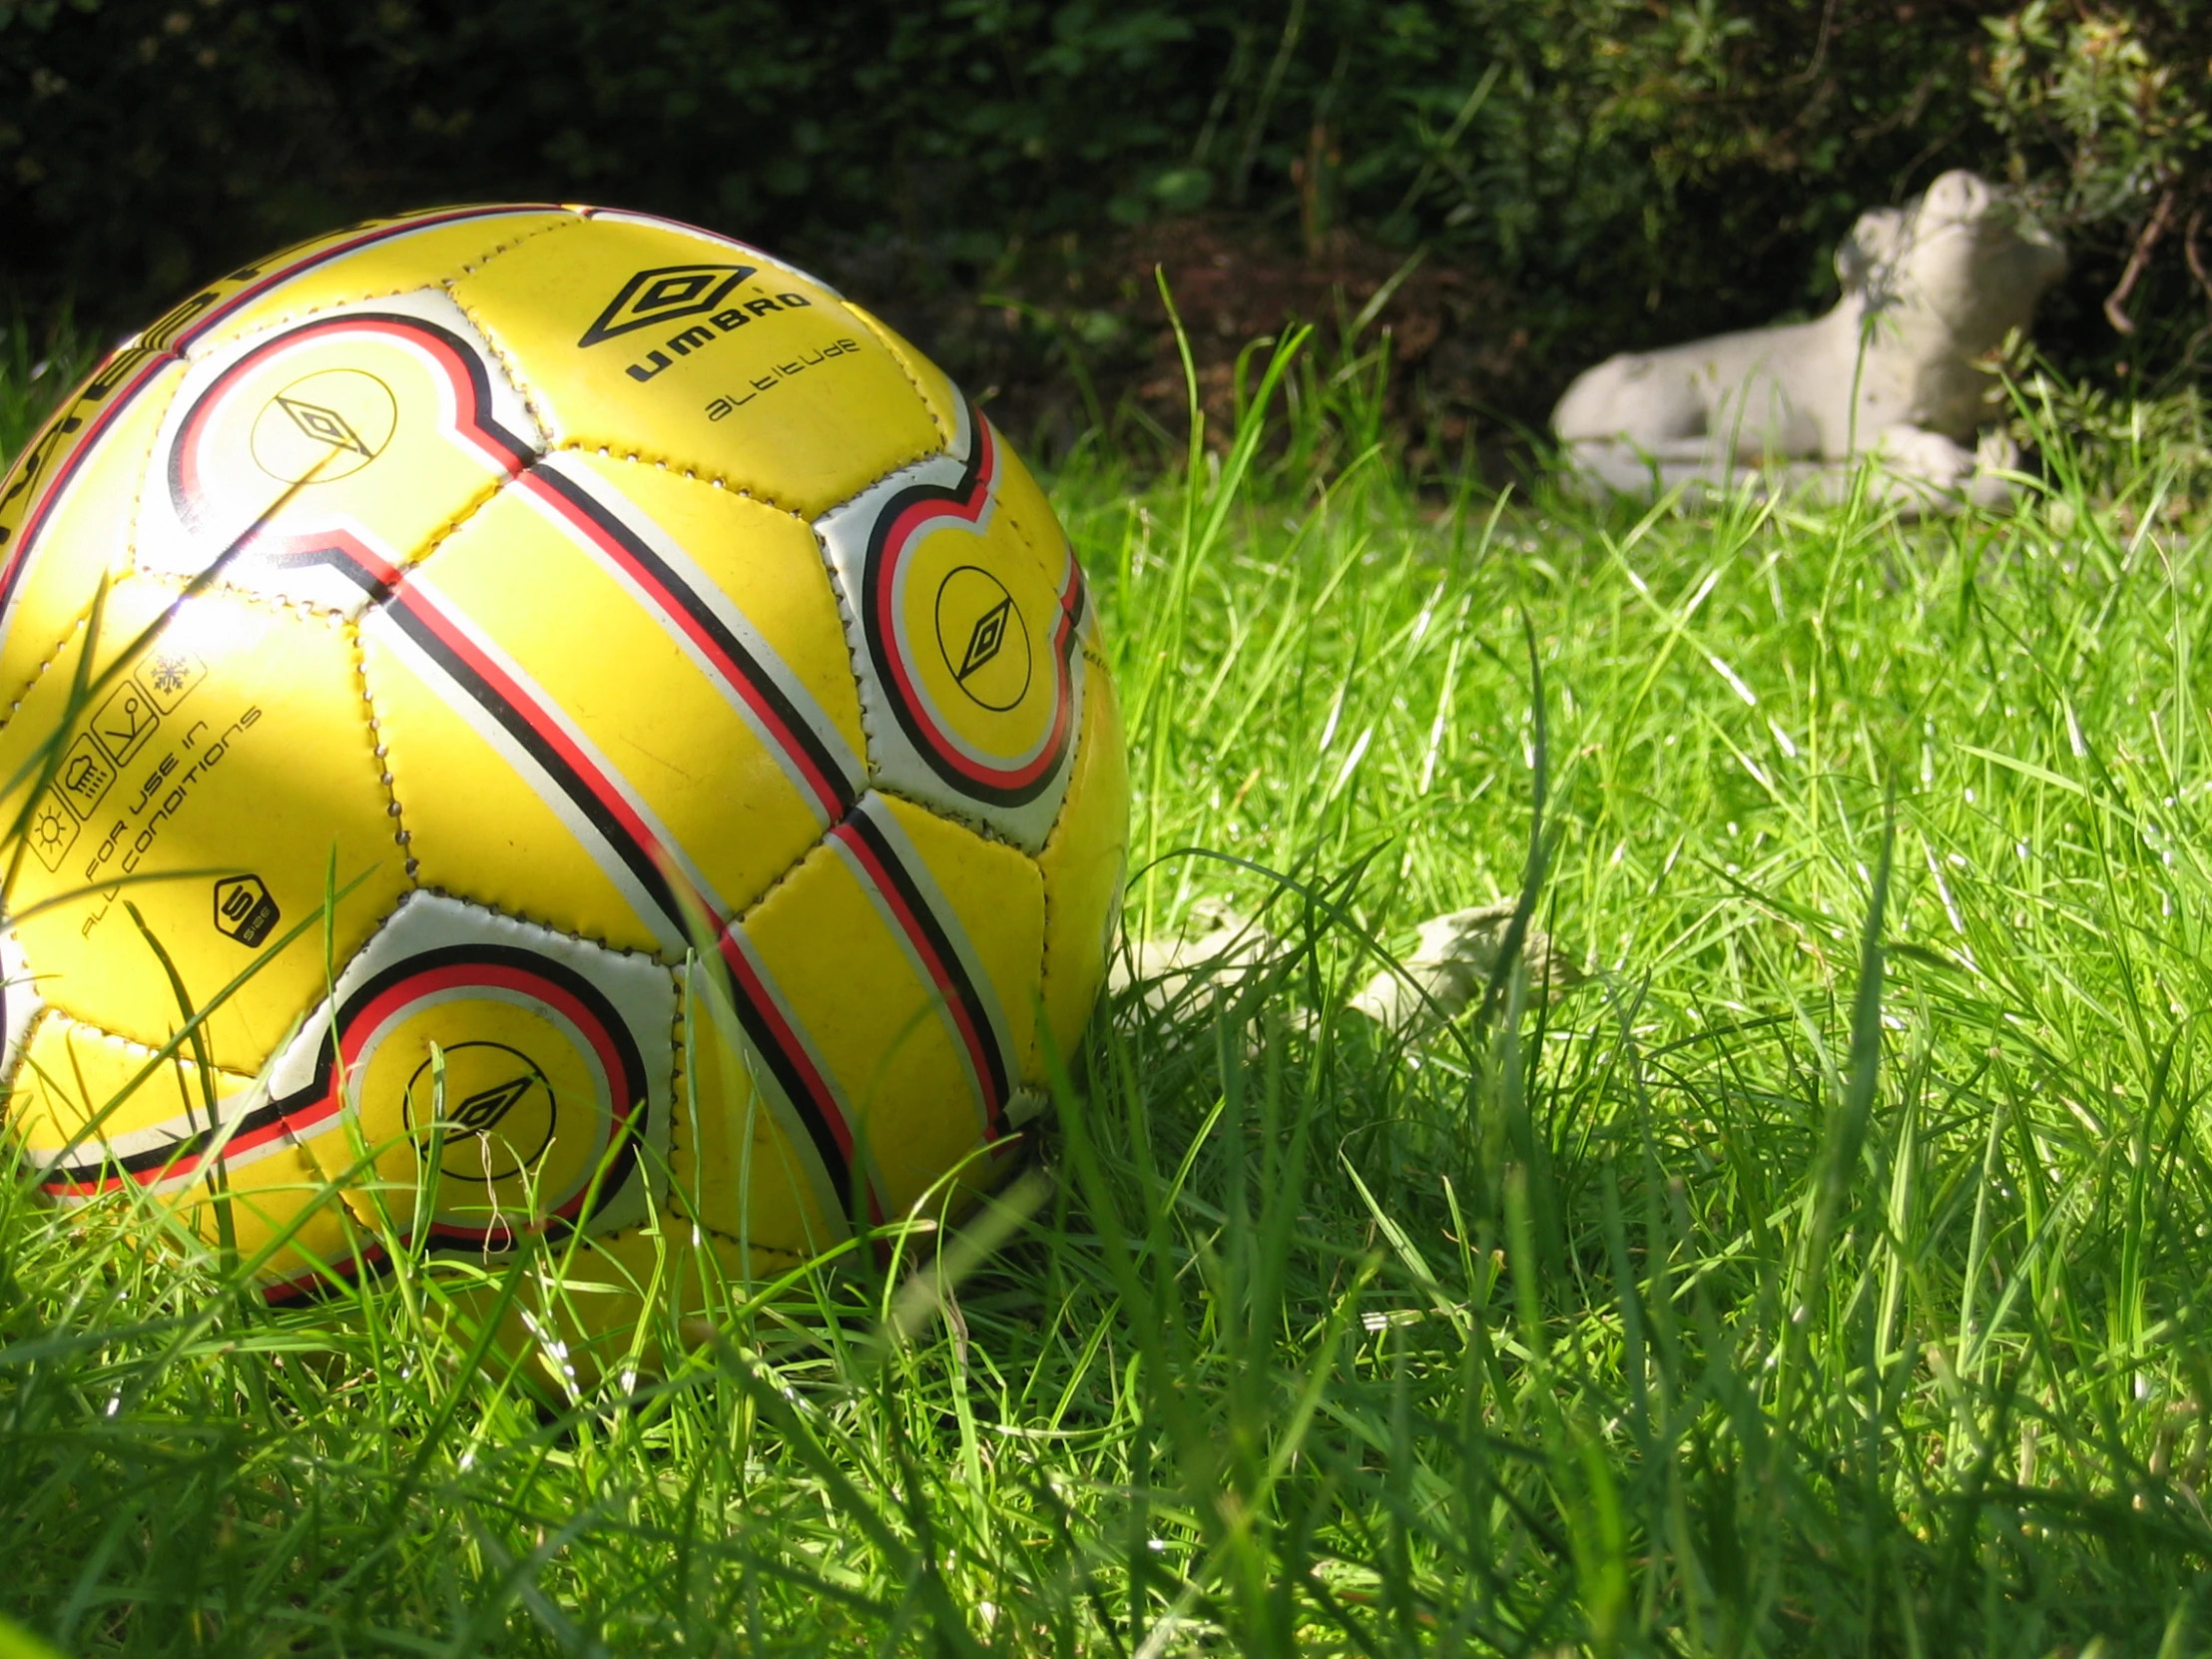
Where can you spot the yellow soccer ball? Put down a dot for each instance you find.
(540, 725)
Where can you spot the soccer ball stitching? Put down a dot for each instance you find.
(929, 890)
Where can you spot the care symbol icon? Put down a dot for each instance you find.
(50, 834)
(125, 721)
(85, 776)
(169, 671)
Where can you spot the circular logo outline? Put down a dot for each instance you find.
(341, 442)
(459, 969)
(458, 1131)
(986, 640)
(900, 524)
(471, 416)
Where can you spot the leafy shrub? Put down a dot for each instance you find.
(1621, 171)
(2105, 111)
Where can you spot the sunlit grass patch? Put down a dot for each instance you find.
(1825, 1273)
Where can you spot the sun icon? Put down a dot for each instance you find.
(50, 832)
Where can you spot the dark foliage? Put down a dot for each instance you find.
(1615, 173)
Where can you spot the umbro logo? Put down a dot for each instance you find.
(324, 425)
(664, 294)
(481, 1111)
(984, 639)
(980, 632)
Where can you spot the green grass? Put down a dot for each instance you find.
(1831, 1274)
(33, 376)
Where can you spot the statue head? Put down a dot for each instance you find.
(1963, 254)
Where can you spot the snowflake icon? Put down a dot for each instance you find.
(170, 671)
(168, 674)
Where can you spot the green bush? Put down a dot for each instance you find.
(2104, 111)
(1626, 169)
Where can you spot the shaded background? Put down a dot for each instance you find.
(1577, 176)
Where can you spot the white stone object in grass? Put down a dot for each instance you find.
(1218, 953)
(1452, 959)
(1901, 371)
(1214, 951)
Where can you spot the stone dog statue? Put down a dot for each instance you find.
(1899, 369)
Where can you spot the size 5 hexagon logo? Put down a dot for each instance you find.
(244, 911)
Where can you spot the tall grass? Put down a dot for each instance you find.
(1826, 1274)
(35, 370)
